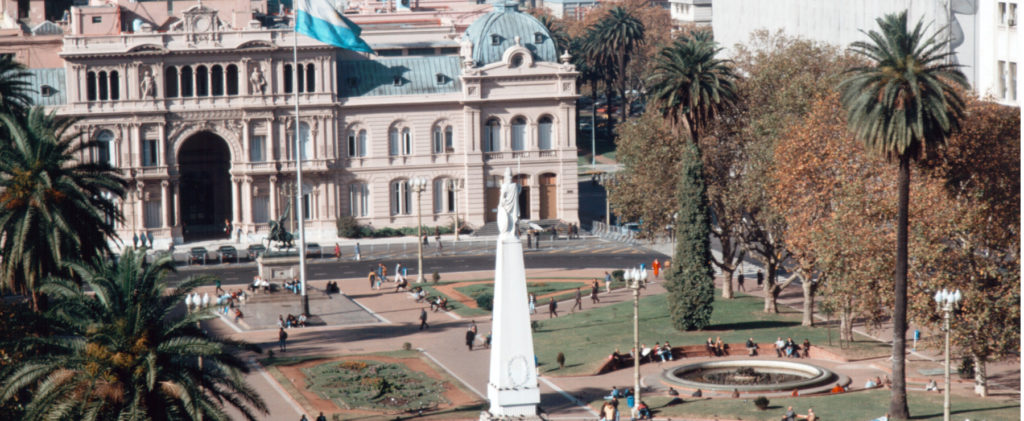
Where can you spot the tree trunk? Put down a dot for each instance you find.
(845, 326)
(898, 404)
(622, 84)
(809, 289)
(727, 282)
(771, 289)
(980, 376)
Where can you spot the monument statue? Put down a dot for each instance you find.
(277, 231)
(257, 82)
(148, 85)
(508, 206)
(512, 390)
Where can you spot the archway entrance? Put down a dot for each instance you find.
(524, 195)
(203, 164)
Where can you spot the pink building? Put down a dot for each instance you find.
(195, 105)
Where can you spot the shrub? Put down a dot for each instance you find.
(485, 302)
(436, 277)
(348, 227)
(406, 346)
(966, 369)
(561, 360)
(352, 365)
(761, 403)
(617, 275)
(387, 232)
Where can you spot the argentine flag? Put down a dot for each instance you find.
(319, 19)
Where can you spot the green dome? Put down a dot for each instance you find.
(495, 32)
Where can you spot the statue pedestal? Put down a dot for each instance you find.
(513, 389)
(278, 269)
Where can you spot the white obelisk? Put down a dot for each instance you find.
(512, 390)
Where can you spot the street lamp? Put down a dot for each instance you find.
(946, 300)
(635, 277)
(418, 184)
(456, 186)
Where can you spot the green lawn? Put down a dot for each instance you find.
(549, 287)
(848, 406)
(538, 288)
(588, 337)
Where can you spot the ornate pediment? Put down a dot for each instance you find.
(201, 24)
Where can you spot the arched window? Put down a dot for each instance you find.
(544, 133)
(217, 80)
(103, 152)
(449, 139)
(103, 86)
(302, 77)
(171, 82)
(444, 196)
(358, 199)
(115, 86)
(90, 86)
(518, 134)
(305, 142)
(442, 141)
(232, 79)
(356, 143)
(310, 78)
(361, 146)
(186, 81)
(438, 139)
(287, 77)
(401, 198)
(406, 141)
(202, 81)
(393, 141)
(492, 135)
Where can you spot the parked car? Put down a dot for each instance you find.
(256, 250)
(314, 249)
(228, 253)
(633, 227)
(197, 255)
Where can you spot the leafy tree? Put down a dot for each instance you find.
(690, 285)
(900, 105)
(14, 86)
(555, 27)
(122, 353)
(54, 206)
(618, 34)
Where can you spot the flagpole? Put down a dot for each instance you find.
(298, 167)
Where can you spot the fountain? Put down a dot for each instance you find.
(748, 376)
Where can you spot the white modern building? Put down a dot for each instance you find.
(984, 34)
(690, 12)
(569, 9)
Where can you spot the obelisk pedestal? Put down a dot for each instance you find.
(513, 390)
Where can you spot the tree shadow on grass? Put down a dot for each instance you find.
(962, 411)
(757, 324)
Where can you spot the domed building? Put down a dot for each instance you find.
(198, 112)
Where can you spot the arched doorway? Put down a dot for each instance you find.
(205, 186)
(548, 196)
(524, 195)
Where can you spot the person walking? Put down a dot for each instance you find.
(760, 278)
(282, 337)
(607, 283)
(358, 256)
(471, 335)
(423, 319)
(739, 282)
(579, 301)
(656, 267)
(321, 417)
(303, 418)
(594, 288)
(372, 277)
(337, 252)
(529, 239)
(533, 303)
(552, 308)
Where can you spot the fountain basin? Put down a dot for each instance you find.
(768, 376)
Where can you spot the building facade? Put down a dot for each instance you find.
(983, 35)
(690, 12)
(201, 119)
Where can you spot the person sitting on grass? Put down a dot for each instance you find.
(810, 415)
(444, 304)
(837, 389)
(644, 411)
(932, 386)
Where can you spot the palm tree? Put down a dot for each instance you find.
(14, 86)
(691, 83)
(126, 352)
(557, 31)
(902, 104)
(619, 33)
(52, 205)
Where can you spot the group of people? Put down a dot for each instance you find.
(716, 347)
(293, 285)
(292, 321)
(791, 415)
(471, 336)
(332, 288)
(258, 283)
(789, 348)
(379, 275)
(662, 352)
(637, 410)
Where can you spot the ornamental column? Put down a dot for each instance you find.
(247, 200)
(164, 192)
(140, 222)
(234, 201)
(177, 205)
(273, 197)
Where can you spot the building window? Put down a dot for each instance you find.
(171, 82)
(443, 139)
(492, 136)
(305, 142)
(440, 79)
(359, 199)
(152, 214)
(103, 152)
(232, 78)
(287, 76)
(1013, 81)
(97, 19)
(444, 196)
(393, 141)
(257, 146)
(307, 207)
(260, 209)
(202, 81)
(186, 81)
(406, 141)
(356, 143)
(544, 133)
(115, 86)
(217, 80)
(1008, 14)
(47, 91)
(1001, 69)
(495, 39)
(518, 134)
(103, 86)
(401, 198)
(538, 38)
(310, 78)
(90, 86)
(149, 153)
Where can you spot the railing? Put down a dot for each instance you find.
(547, 154)
(154, 170)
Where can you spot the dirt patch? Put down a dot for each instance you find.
(449, 290)
(314, 404)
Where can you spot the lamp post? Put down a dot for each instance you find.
(418, 184)
(635, 278)
(946, 300)
(455, 185)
